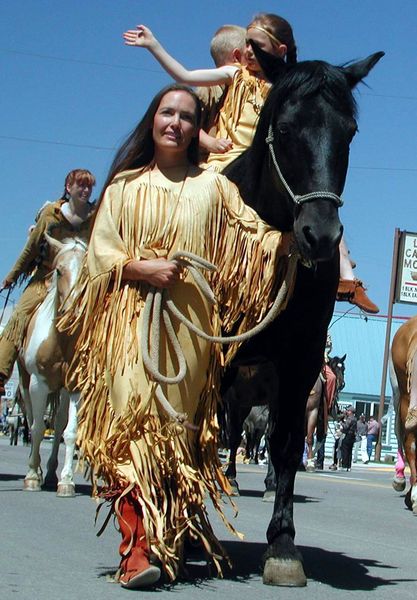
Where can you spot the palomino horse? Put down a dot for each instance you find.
(404, 360)
(43, 363)
(293, 175)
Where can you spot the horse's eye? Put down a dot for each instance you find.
(58, 272)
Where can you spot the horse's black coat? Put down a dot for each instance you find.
(312, 113)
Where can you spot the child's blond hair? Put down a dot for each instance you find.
(226, 39)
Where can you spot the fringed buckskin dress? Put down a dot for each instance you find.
(128, 440)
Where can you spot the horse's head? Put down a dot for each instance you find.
(305, 130)
(337, 365)
(68, 257)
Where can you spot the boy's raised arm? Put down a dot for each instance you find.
(143, 37)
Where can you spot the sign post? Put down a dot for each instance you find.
(403, 288)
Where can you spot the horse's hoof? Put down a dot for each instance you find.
(269, 496)
(31, 485)
(398, 483)
(310, 465)
(65, 490)
(414, 509)
(407, 500)
(285, 572)
(234, 488)
(50, 483)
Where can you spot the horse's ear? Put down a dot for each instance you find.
(55, 244)
(359, 70)
(343, 358)
(272, 66)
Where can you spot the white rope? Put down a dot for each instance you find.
(159, 306)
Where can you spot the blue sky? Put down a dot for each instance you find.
(71, 91)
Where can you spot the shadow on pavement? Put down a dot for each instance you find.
(298, 498)
(11, 477)
(344, 572)
(334, 569)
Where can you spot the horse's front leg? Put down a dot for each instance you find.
(66, 485)
(38, 392)
(60, 422)
(283, 562)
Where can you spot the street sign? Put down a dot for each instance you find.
(406, 277)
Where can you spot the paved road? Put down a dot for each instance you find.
(356, 537)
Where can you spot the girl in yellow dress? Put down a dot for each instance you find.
(247, 87)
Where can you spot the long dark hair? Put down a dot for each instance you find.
(138, 150)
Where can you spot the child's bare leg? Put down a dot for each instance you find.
(350, 288)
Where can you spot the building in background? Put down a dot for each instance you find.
(363, 341)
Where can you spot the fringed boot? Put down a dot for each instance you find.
(353, 291)
(135, 570)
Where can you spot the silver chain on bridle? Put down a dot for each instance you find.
(298, 200)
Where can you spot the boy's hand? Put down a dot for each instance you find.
(141, 36)
(221, 145)
(6, 284)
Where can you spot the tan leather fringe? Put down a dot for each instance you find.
(174, 470)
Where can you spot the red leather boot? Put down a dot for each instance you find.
(135, 569)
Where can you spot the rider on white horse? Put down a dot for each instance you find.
(66, 218)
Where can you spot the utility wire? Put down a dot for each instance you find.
(113, 149)
(159, 71)
(81, 61)
(37, 141)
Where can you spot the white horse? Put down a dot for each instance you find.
(43, 362)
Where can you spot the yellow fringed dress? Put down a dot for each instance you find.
(126, 437)
(238, 117)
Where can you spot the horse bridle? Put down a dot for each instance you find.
(298, 200)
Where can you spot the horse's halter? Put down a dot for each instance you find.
(298, 200)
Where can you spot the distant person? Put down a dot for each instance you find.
(349, 429)
(360, 444)
(338, 439)
(372, 435)
(67, 217)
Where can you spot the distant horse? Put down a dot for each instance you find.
(404, 360)
(254, 388)
(254, 427)
(318, 408)
(43, 363)
(14, 420)
(293, 175)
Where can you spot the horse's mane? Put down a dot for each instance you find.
(301, 80)
(71, 243)
(309, 78)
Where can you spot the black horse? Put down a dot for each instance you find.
(293, 176)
